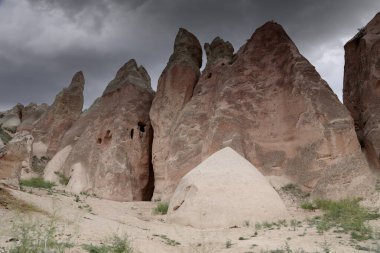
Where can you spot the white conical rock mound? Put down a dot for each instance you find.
(223, 191)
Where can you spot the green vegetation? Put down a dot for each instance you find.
(115, 244)
(37, 182)
(346, 215)
(161, 208)
(4, 136)
(37, 237)
(63, 180)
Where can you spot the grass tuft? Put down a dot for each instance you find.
(37, 182)
(4, 136)
(63, 180)
(114, 244)
(161, 208)
(346, 215)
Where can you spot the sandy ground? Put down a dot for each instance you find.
(91, 220)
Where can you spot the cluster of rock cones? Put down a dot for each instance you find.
(266, 102)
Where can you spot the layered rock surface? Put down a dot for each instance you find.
(30, 116)
(270, 105)
(11, 119)
(107, 150)
(60, 116)
(361, 92)
(15, 157)
(225, 191)
(175, 88)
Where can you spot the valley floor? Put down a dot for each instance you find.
(89, 220)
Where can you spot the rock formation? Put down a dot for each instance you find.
(269, 104)
(361, 92)
(175, 88)
(11, 119)
(107, 150)
(14, 158)
(60, 116)
(225, 190)
(30, 115)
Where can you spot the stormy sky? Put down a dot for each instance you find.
(44, 42)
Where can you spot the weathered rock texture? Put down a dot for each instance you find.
(175, 88)
(107, 151)
(15, 157)
(361, 92)
(224, 191)
(11, 119)
(30, 115)
(270, 105)
(60, 116)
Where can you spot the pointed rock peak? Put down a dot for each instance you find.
(129, 73)
(77, 81)
(218, 50)
(187, 50)
(369, 32)
(271, 33)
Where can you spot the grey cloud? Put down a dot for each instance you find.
(46, 41)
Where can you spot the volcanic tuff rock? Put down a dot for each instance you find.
(107, 150)
(15, 157)
(175, 88)
(271, 106)
(65, 110)
(217, 51)
(30, 115)
(11, 119)
(211, 195)
(361, 92)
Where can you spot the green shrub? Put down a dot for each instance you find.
(347, 215)
(161, 208)
(37, 182)
(115, 244)
(37, 237)
(63, 180)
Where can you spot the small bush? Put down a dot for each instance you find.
(63, 180)
(37, 182)
(346, 214)
(39, 164)
(37, 237)
(162, 208)
(115, 244)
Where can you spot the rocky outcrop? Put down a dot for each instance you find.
(107, 150)
(30, 115)
(361, 91)
(14, 158)
(218, 52)
(11, 119)
(175, 88)
(270, 105)
(60, 116)
(211, 195)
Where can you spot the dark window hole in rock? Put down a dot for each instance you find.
(99, 141)
(141, 126)
(209, 75)
(132, 130)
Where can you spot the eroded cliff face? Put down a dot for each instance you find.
(361, 93)
(107, 150)
(269, 104)
(50, 128)
(174, 90)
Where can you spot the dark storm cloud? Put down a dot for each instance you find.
(44, 42)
